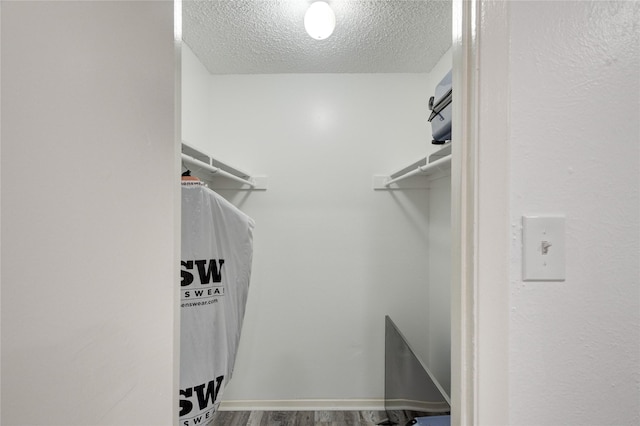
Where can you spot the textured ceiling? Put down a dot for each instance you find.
(268, 36)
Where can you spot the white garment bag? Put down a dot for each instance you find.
(217, 249)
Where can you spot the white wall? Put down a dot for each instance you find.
(575, 96)
(89, 213)
(196, 95)
(331, 256)
(438, 332)
(437, 349)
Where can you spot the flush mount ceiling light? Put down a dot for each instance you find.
(319, 21)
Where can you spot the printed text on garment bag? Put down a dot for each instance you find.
(209, 272)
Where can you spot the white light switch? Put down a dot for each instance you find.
(543, 248)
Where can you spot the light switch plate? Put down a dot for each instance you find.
(543, 248)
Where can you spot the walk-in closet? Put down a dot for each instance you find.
(327, 146)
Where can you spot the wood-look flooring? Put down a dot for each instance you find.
(299, 418)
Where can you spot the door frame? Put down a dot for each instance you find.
(480, 213)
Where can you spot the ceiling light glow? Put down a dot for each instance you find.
(319, 21)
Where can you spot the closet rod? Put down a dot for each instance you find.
(217, 170)
(441, 164)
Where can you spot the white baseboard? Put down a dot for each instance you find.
(304, 405)
(424, 406)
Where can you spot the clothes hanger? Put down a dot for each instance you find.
(186, 177)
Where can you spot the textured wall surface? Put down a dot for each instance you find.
(575, 108)
(89, 213)
(265, 37)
